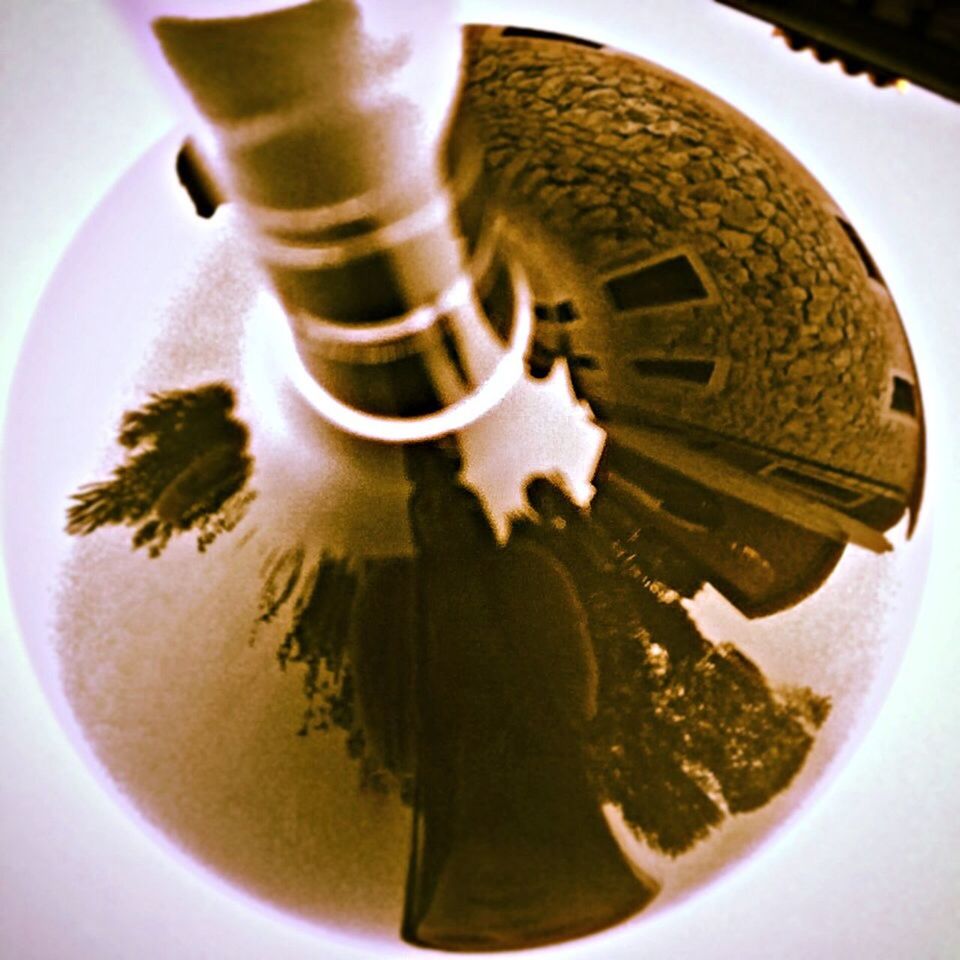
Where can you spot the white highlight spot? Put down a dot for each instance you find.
(540, 429)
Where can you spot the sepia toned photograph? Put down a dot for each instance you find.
(479, 479)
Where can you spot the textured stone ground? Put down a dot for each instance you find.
(619, 156)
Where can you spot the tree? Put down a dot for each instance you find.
(507, 691)
(186, 468)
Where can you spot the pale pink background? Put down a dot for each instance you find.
(872, 870)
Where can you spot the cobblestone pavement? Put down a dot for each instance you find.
(625, 160)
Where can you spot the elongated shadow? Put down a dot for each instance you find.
(511, 846)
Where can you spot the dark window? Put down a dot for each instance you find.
(195, 180)
(563, 312)
(816, 485)
(670, 281)
(532, 34)
(582, 361)
(903, 399)
(862, 250)
(689, 371)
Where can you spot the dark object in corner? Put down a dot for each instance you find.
(918, 41)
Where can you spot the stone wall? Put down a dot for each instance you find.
(621, 158)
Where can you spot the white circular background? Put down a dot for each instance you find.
(870, 870)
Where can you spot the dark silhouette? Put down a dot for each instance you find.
(511, 847)
(186, 469)
(684, 728)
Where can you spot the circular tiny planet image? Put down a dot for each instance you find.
(521, 683)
